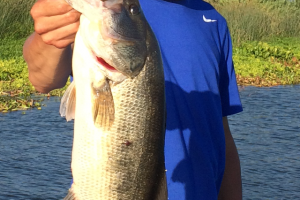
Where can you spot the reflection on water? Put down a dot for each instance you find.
(35, 148)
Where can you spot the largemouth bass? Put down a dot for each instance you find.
(118, 103)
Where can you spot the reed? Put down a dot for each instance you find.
(259, 20)
(15, 19)
(248, 20)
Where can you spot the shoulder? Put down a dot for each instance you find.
(192, 12)
(210, 14)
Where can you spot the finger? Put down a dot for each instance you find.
(46, 24)
(67, 32)
(50, 8)
(65, 42)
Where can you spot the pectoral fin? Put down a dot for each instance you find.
(103, 105)
(68, 102)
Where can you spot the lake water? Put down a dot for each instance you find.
(35, 148)
(267, 135)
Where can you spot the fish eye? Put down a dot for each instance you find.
(134, 9)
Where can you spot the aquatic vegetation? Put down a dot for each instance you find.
(268, 64)
(14, 103)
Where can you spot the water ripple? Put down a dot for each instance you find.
(268, 139)
(35, 152)
(35, 148)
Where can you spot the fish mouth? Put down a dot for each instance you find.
(109, 71)
(103, 63)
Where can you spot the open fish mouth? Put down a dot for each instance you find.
(109, 71)
(104, 64)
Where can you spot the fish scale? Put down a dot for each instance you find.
(118, 146)
(121, 156)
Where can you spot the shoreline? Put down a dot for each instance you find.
(256, 63)
(18, 102)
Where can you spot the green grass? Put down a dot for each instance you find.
(15, 19)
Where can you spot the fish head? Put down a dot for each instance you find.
(117, 36)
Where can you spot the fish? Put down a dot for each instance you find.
(117, 101)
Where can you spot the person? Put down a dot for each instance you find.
(201, 90)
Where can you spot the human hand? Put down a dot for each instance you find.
(55, 21)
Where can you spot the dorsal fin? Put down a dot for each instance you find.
(68, 102)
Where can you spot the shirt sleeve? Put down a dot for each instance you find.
(229, 93)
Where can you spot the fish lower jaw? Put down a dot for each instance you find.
(109, 71)
(102, 62)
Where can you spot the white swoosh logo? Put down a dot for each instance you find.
(208, 20)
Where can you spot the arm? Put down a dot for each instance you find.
(48, 50)
(231, 187)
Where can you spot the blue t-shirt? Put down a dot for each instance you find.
(200, 89)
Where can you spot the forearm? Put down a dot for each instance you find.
(231, 187)
(48, 66)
